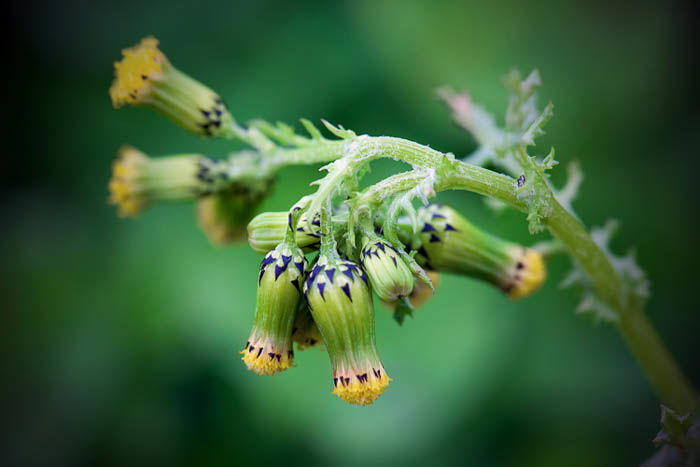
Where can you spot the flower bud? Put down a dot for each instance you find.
(137, 179)
(305, 332)
(269, 348)
(224, 216)
(450, 243)
(145, 77)
(268, 229)
(338, 295)
(391, 278)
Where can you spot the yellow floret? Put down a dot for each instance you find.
(123, 188)
(264, 359)
(529, 275)
(141, 64)
(361, 389)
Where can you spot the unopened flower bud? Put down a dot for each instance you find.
(224, 216)
(341, 304)
(305, 332)
(389, 275)
(450, 243)
(269, 348)
(137, 179)
(145, 77)
(267, 229)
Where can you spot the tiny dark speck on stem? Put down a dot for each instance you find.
(521, 180)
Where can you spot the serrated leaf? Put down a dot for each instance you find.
(536, 127)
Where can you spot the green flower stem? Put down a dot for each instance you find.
(388, 187)
(652, 355)
(314, 154)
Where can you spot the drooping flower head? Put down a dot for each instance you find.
(390, 276)
(305, 332)
(340, 301)
(450, 243)
(137, 180)
(280, 281)
(145, 77)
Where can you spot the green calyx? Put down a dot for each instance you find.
(340, 302)
(269, 348)
(190, 104)
(447, 242)
(389, 275)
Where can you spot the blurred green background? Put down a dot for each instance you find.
(120, 337)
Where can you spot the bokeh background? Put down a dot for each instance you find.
(120, 337)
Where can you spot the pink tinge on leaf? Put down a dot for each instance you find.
(460, 103)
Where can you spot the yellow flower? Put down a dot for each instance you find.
(269, 347)
(340, 301)
(124, 187)
(527, 272)
(137, 179)
(145, 77)
(141, 66)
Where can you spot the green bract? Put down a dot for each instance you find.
(391, 278)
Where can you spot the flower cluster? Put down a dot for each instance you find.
(324, 261)
(336, 307)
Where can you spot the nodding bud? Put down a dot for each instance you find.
(450, 243)
(224, 216)
(340, 301)
(145, 77)
(390, 276)
(267, 229)
(269, 348)
(305, 332)
(137, 180)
